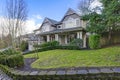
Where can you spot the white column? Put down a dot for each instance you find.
(48, 38)
(56, 37)
(81, 37)
(78, 35)
(65, 39)
(85, 40)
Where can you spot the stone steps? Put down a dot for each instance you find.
(3, 76)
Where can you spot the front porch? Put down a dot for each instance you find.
(65, 37)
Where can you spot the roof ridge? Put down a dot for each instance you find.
(52, 20)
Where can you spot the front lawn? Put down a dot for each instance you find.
(77, 58)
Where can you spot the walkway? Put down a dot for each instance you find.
(3, 76)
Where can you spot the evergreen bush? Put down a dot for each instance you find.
(94, 41)
(77, 42)
(11, 58)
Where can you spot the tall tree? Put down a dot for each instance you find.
(96, 23)
(84, 6)
(107, 21)
(16, 16)
(111, 11)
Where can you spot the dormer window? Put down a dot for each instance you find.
(59, 27)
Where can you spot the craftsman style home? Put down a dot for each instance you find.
(70, 27)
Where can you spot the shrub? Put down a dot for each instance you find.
(10, 52)
(23, 45)
(77, 42)
(68, 47)
(55, 47)
(50, 44)
(94, 41)
(11, 58)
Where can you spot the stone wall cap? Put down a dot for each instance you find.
(93, 71)
(60, 73)
(71, 72)
(116, 70)
(106, 70)
(34, 73)
(42, 73)
(51, 73)
(82, 72)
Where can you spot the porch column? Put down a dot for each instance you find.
(48, 38)
(39, 40)
(84, 41)
(79, 35)
(65, 39)
(56, 37)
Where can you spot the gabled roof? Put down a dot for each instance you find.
(53, 22)
(69, 12)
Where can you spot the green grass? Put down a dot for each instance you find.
(77, 58)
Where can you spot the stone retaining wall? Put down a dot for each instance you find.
(76, 74)
(83, 74)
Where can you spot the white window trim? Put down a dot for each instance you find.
(77, 25)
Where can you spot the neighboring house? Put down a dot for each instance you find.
(30, 38)
(32, 41)
(70, 27)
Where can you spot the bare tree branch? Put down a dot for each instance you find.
(16, 17)
(84, 6)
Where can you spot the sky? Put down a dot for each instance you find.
(39, 9)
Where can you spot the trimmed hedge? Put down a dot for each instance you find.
(94, 41)
(11, 58)
(68, 47)
(55, 47)
(47, 44)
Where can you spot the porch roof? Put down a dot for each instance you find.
(62, 31)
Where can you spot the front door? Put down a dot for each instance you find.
(62, 39)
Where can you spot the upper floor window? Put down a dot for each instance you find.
(69, 23)
(77, 22)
